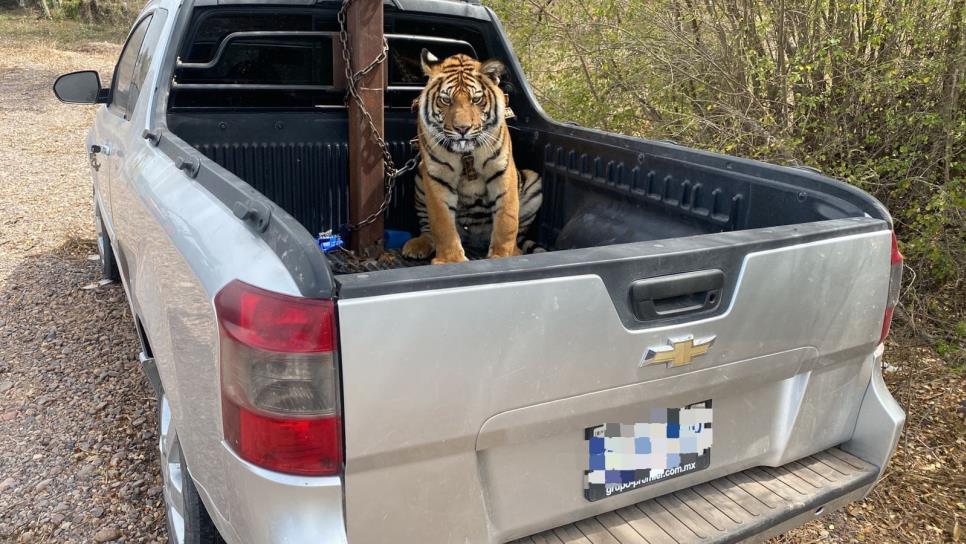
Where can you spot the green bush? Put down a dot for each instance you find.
(868, 91)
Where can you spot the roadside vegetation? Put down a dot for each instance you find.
(28, 25)
(111, 16)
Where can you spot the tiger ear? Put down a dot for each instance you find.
(493, 69)
(429, 61)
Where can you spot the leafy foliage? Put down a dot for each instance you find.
(868, 91)
(114, 12)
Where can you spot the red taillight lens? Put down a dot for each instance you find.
(895, 283)
(272, 321)
(279, 381)
(310, 447)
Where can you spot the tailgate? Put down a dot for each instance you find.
(471, 393)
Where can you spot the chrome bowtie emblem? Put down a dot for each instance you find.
(678, 351)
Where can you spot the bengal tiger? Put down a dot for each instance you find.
(468, 189)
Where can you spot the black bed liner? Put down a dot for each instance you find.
(595, 193)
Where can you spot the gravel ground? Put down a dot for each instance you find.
(77, 424)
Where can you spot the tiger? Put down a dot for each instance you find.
(468, 190)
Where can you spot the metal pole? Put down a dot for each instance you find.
(364, 21)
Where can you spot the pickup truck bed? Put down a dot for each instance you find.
(596, 192)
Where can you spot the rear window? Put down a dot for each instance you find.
(211, 28)
(257, 59)
(274, 60)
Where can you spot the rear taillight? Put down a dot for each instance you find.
(279, 382)
(895, 282)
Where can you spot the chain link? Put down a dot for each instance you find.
(352, 94)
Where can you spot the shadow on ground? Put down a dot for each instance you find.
(77, 417)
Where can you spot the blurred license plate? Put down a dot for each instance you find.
(627, 456)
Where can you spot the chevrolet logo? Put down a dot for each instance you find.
(678, 351)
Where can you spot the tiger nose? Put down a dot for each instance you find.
(462, 128)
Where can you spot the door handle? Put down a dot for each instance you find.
(95, 149)
(103, 149)
(677, 294)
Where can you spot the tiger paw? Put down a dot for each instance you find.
(503, 252)
(449, 257)
(442, 260)
(420, 247)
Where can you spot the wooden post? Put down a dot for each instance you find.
(366, 184)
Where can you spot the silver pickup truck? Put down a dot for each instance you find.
(695, 358)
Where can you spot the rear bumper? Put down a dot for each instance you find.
(762, 502)
(879, 423)
(266, 507)
(748, 505)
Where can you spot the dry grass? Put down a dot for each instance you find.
(42, 152)
(45, 198)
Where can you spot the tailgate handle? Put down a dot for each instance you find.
(677, 294)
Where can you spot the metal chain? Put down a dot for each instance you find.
(352, 94)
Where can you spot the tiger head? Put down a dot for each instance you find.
(461, 107)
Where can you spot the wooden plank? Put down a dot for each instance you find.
(718, 519)
(364, 19)
(747, 501)
(840, 466)
(670, 524)
(720, 501)
(620, 529)
(756, 490)
(846, 457)
(777, 486)
(807, 474)
(570, 534)
(595, 532)
(645, 526)
(820, 468)
(688, 516)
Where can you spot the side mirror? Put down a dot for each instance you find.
(82, 87)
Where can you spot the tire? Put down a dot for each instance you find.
(109, 269)
(188, 520)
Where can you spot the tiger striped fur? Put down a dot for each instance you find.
(468, 189)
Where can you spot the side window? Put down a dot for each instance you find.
(148, 48)
(124, 71)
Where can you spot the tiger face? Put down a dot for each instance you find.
(462, 106)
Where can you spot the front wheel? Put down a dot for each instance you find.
(188, 521)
